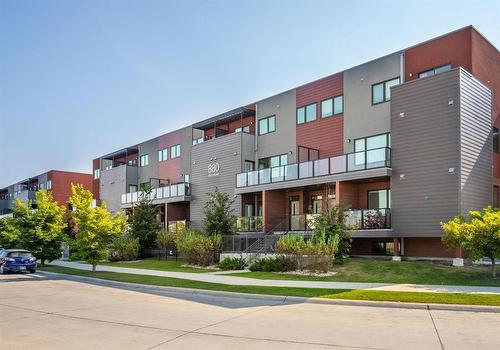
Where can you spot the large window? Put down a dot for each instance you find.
(272, 162)
(306, 114)
(267, 125)
(372, 142)
(49, 184)
(332, 106)
(175, 151)
(144, 160)
(381, 92)
(495, 140)
(434, 71)
(248, 166)
(97, 174)
(162, 155)
(379, 199)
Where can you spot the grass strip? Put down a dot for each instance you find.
(346, 294)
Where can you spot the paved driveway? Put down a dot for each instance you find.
(57, 313)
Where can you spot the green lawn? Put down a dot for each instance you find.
(382, 271)
(443, 298)
(155, 264)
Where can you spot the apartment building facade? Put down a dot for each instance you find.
(56, 181)
(404, 142)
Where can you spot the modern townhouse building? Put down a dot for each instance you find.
(404, 141)
(56, 181)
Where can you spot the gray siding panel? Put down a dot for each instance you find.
(446, 124)
(151, 170)
(224, 151)
(425, 144)
(476, 144)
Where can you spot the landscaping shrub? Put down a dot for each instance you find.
(270, 264)
(236, 263)
(165, 241)
(124, 248)
(198, 248)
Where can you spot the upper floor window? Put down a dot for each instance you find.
(267, 125)
(272, 162)
(246, 129)
(372, 142)
(332, 106)
(306, 114)
(132, 188)
(49, 184)
(144, 160)
(162, 155)
(495, 139)
(248, 166)
(381, 92)
(379, 199)
(175, 151)
(97, 174)
(434, 71)
(198, 141)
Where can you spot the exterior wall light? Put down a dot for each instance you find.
(401, 176)
(402, 114)
(451, 170)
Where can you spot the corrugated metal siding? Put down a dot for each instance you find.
(476, 144)
(425, 143)
(226, 151)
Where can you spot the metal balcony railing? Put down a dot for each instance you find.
(177, 190)
(368, 219)
(350, 162)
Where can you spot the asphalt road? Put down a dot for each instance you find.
(37, 312)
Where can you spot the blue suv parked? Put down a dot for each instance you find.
(17, 260)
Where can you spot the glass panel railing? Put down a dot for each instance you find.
(181, 189)
(173, 191)
(264, 176)
(253, 178)
(241, 180)
(374, 158)
(249, 224)
(166, 191)
(356, 161)
(124, 198)
(278, 174)
(291, 172)
(338, 165)
(321, 167)
(297, 222)
(129, 197)
(368, 219)
(305, 169)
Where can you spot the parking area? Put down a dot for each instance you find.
(43, 312)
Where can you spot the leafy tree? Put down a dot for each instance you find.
(219, 217)
(41, 230)
(143, 225)
(9, 234)
(478, 233)
(94, 228)
(165, 240)
(331, 226)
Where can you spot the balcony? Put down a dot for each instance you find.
(161, 193)
(346, 163)
(368, 219)
(249, 224)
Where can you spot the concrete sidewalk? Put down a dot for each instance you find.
(243, 281)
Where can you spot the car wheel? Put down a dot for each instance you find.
(33, 271)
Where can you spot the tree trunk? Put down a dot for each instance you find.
(93, 267)
(43, 262)
(493, 268)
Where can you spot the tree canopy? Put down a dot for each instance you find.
(219, 217)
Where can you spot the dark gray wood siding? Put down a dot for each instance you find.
(224, 151)
(425, 144)
(476, 144)
(441, 151)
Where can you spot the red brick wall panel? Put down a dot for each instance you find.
(171, 168)
(61, 184)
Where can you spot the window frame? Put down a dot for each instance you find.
(266, 121)
(278, 156)
(315, 104)
(146, 157)
(388, 141)
(97, 174)
(388, 198)
(333, 106)
(384, 90)
(174, 149)
(163, 154)
(49, 185)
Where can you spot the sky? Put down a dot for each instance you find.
(79, 79)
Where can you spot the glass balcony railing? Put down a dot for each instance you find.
(177, 190)
(249, 224)
(368, 219)
(364, 160)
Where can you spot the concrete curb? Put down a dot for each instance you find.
(277, 299)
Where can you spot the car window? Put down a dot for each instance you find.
(20, 255)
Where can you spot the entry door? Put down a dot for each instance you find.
(294, 215)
